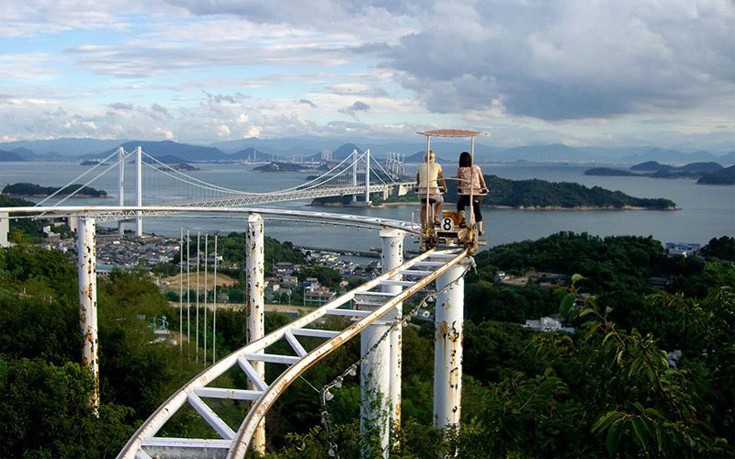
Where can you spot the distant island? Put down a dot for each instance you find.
(609, 172)
(709, 173)
(543, 195)
(33, 190)
(277, 166)
(183, 167)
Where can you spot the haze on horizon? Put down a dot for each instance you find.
(576, 72)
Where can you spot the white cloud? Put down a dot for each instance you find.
(562, 70)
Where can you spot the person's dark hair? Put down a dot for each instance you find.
(465, 159)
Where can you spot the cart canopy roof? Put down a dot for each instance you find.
(452, 133)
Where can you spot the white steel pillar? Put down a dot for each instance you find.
(378, 373)
(4, 229)
(87, 271)
(255, 305)
(375, 390)
(392, 257)
(139, 193)
(448, 335)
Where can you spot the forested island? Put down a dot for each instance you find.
(278, 166)
(612, 389)
(708, 173)
(34, 190)
(540, 195)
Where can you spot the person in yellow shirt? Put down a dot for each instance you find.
(431, 184)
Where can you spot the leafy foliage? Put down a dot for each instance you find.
(722, 248)
(32, 189)
(537, 193)
(609, 390)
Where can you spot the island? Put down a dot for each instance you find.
(707, 173)
(609, 172)
(278, 166)
(34, 190)
(94, 162)
(538, 194)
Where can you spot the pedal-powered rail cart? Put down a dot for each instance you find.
(448, 232)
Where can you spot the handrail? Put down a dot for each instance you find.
(132, 211)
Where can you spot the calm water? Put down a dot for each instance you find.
(707, 211)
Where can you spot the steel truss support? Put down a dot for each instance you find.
(201, 394)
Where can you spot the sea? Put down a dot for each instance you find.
(704, 211)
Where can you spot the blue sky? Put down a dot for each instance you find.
(578, 72)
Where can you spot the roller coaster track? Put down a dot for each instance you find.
(368, 304)
(414, 275)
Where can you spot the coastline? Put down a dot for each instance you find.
(538, 208)
(21, 196)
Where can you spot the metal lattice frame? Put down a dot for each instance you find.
(415, 274)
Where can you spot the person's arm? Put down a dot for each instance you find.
(443, 186)
(483, 185)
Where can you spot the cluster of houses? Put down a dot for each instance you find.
(131, 252)
(126, 253)
(283, 279)
(685, 249)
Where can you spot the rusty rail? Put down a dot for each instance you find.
(422, 270)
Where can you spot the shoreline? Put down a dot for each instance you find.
(535, 208)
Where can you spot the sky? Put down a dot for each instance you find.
(577, 72)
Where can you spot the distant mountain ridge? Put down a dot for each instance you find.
(9, 156)
(312, 147)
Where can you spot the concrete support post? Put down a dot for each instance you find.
(72, 221)
(392, 257)
(255, 305)
(121, 187)
(139, 192)
(375, 390)
(380, 375)
(448, 335)
(87, 271)
(4, 229)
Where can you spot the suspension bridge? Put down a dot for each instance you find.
(158, 183)
(374, 312)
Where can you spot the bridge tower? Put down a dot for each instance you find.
(139, 192)
(121, 187)
(367, 177)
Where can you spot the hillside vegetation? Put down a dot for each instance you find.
(605, 391)
(541, 194)
(32, 189)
